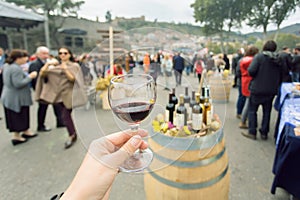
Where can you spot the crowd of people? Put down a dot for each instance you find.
(53, 81)
(258, 76)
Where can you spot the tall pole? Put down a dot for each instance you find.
(46, 28)
(111, 50)
(25, 39)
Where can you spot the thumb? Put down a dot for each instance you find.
(132, 144)
(116, 159)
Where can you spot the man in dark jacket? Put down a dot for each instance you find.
(265, 71)
(235, 62)
(286, 64)
(42, 54)
(296, 65)
(178, 67)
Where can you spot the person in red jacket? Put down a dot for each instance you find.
(245, 81)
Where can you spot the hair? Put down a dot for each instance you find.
(251, 51)
(270, 45)
(297, 48)
(70, 52)
(41, 48)
(15, 54)
(285, 48)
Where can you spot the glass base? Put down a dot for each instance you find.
(139, 161)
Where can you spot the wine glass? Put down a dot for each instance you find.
(131, 98)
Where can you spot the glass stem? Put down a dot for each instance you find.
(135, 128)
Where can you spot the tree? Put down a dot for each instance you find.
(260, 14)
(108, 16)
(47, 7)
(281, 11)
(216, 15)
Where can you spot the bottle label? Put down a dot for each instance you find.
(180, 120)
(197, 121)
(208, 118)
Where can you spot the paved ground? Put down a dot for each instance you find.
(41, 167)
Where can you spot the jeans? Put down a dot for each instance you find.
(245, 111)
(178, 74)
(240, 101)
(254, 102)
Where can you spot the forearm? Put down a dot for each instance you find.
(69, 75)
(92, 181)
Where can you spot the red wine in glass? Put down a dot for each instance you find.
(131, 98)
(133, 112)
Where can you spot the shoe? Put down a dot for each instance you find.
(263, 136)
(249, 135)
(29, 136)
(60, 126)
(44, 129)
(71, 140)
(243, 125)
(16, 142)
(238, 116)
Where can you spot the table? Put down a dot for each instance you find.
(286, 167)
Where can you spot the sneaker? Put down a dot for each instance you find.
(238, 116)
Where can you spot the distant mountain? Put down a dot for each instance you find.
(292, 29)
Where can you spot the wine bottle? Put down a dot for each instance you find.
(197, 115)
(207, 112)
(202, 97)
(192, 103)
(170, 108)
(181, 118)
(187, 99)
(175, 102)
(210, 101)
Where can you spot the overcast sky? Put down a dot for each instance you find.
(162, 10)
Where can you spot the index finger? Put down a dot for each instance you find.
(121, 137)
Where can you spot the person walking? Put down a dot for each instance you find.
(3, 57)
(178, 67)
(42, 54)
(263, 88)
(167, 66)
(16, 96)
(68, 78)
(245, 62)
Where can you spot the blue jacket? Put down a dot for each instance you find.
(178, 63)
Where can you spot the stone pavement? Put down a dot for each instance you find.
(41, 167)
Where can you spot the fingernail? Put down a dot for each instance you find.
(135, 140)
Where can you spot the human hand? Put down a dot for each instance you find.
(52, 61)
(101, 164)
(33, 75)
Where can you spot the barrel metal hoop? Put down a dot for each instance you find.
(190, 144)
(188, 186)
(190, 164)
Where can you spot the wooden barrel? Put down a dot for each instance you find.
(220, 89)
(188, 168)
